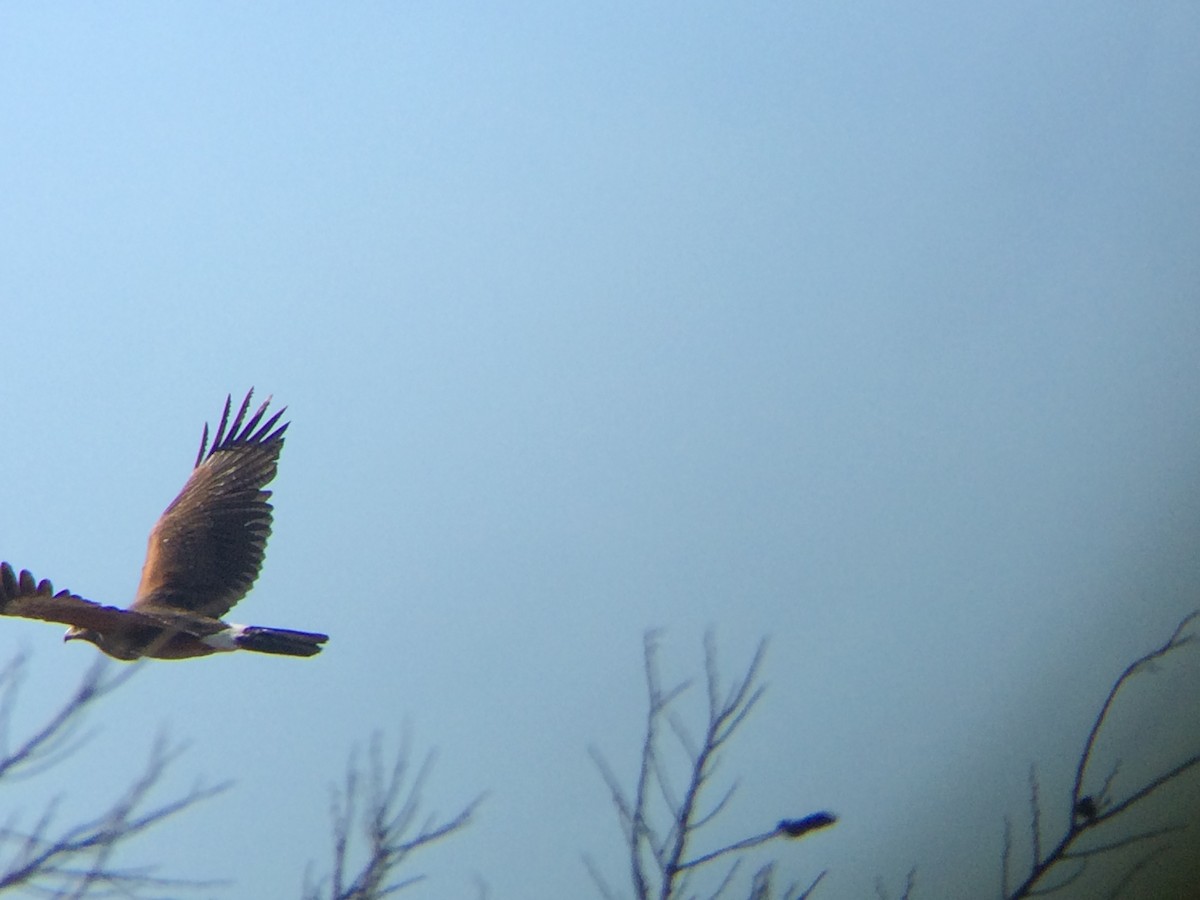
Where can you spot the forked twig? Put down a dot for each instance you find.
(658, 823)
(1088, 812)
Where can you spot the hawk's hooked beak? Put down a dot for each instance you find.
(74, 633)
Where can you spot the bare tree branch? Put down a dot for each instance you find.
(910, 882)
(598, 878)
(1135, 870)
(659, 864)
(76, 861)
(1006, 858)
(378, 808)
(1088, 812)
(1035, 812)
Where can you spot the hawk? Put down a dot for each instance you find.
(204, 554)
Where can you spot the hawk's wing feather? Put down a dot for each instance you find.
(206, 550)
(21, 595)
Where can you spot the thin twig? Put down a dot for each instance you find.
(1088, 812)
(659, 865)
(381, 804)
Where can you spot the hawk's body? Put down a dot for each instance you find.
(204, 554)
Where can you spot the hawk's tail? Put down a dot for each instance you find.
(282, 641)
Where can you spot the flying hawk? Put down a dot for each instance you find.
(204, 554)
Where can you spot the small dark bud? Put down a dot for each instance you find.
(1086, 808)
(795, 828)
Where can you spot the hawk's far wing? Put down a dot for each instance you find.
(23, 596)
(207, 548)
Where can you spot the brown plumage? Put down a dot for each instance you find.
(204, 554)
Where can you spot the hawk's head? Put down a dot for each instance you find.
(117, 648)
(78, 633)
(117, 645)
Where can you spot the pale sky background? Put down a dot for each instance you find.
(872, 328)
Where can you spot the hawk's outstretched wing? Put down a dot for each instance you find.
(207, 548)
(21, 595)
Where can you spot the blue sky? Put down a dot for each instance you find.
(871, 329)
